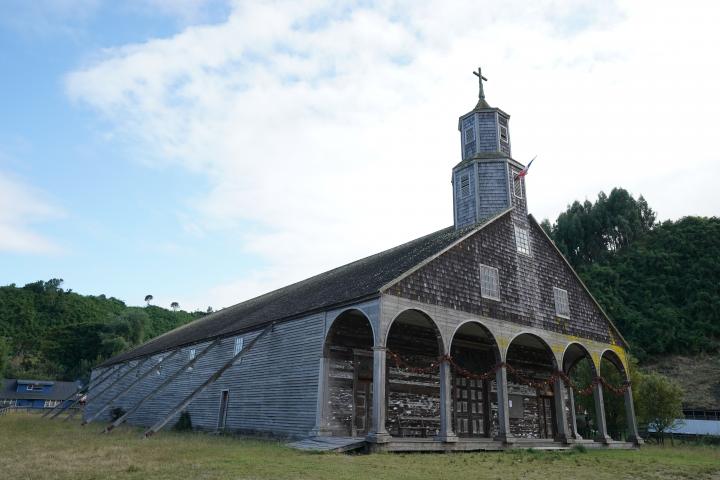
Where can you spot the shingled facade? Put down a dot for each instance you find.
(460, 340)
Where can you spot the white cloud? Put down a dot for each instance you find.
(332, 131)
(21, 206)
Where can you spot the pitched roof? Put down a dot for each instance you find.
(59, 390)
(360, 279)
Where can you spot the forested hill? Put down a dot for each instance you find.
(49, 332)
(659, 282)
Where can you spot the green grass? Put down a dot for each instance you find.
(35, 448)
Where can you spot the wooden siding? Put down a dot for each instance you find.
(492, 188)
(273, 390)
(465, 211)
(453, 281)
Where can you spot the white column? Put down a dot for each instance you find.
(446, 431)
(560, 415)
(503, 406)
(602, 435)
(378, 433)
(321, 428)
(633, 435)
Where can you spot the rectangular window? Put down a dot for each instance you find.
(562, 304)
(489, 283)
(522, 240)
(191, 356)
(517, 183)
(504, 134)
(239, 341)
(464, 186)
(469, 135)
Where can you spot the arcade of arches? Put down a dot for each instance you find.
(411, 387)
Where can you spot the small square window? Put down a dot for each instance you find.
(522, 240)
(464, 186)
(562, 304)
(489, 282)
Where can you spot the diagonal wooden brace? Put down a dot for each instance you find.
(161, 387)
(101, 378)
(186, 401)
(129, 387)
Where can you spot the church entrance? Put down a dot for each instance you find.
(474, 407)
(530, 364)
(348, 349)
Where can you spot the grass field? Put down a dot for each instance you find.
(35, 448)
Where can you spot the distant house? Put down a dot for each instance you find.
(34, 393)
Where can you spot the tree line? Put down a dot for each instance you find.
(658, 281)
(49, 332)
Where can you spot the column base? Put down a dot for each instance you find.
(449, 438)
(603, 439)
(636, 440)
(507, 439)
(378, 437)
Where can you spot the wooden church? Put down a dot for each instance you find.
(464, 339)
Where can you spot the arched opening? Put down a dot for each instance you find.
(578, 365)
(348, 350)
(614, 375)
(414, 346)
(474, 353)
(531, 404)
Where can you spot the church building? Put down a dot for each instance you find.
(464, 339)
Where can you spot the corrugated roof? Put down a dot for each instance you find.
(360, 279)
(59, 390)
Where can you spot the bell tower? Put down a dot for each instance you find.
(486, 180)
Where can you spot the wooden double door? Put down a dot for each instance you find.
(471, 407)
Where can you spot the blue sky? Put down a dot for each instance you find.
(205, 152)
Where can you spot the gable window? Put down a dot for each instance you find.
(464, 186)
(517, 183)
(562, 305)
(522, 240)
(239, 341)
(489, 283)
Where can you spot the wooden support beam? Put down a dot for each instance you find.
(186, 401)
(129, 387)
(101, 378)
(161, 387)
(79, 393)
(79, 397)
(117, 380)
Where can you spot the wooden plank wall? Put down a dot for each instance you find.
(273, 389)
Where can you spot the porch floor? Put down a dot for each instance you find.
(396, 444)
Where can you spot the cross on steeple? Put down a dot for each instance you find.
(479, 74)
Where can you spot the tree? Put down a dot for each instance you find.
(174, 306)
(4, 355)
(659, 403)
(209, 310)
(148, 299)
